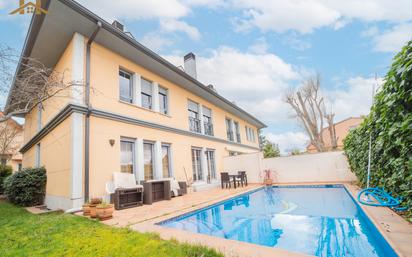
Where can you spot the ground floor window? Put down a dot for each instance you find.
(148, 149)
(19, 167)
(126, 156)
(166, 161)
(196, 164)
(211, 167)
(38, 155)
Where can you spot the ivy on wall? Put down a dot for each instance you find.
(390, 124)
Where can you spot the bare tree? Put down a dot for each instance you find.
(309, 107)
(35, 83)
(332, 131)
(9, 143)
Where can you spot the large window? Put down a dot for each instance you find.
(166, 161)
(229, 130)
(196, 164)
(211, 168)
(146, 93)
(148, 160)
(163, 102)
(207, 121)
(250, 134)
(127, 156)
(194, 121)
(237, 131)
(126, 86)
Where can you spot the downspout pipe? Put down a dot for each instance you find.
(87, 118)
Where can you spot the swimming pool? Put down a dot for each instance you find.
(314, 220)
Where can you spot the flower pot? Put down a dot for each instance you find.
(93, 213)
(86, 210)
(105, 212)
(268, 181)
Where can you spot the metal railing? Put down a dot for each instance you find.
(194, 125)
(208, 128)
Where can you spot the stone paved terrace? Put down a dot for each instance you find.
(396, 230)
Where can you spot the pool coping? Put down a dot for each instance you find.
(393, 228)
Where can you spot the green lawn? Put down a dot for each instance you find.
(25, 234)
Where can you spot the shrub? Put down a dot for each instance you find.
(390, 125)
(26, 187)
(5, 171)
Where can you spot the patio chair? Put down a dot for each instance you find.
(127, 193)
(225, 179)
(243, 177)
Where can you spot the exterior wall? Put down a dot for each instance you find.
(53, 105)
(62, 149)
(342, 129)
(105, 159)
(55, 152)
(105, 82)
(306, 168)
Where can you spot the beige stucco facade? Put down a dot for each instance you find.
(342, 129)
(60, 147)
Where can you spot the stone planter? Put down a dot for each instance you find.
(86, 209)
(104, 211)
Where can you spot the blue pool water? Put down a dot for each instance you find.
(319, 220)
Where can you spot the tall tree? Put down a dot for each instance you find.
(35, 82)
(309, 107)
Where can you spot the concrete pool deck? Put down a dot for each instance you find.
(396, 230)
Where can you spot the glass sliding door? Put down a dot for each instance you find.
(197, 164)
(126, 156)
(166, 161)
(211, 166)
(148, 149)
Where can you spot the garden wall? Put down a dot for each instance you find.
(306, 168)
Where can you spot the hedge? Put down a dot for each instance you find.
(390, 124)
(26, 187)
(5, 171)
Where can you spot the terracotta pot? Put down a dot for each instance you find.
(86, 210)
(105, 212)
(268, 181)
(93, 210)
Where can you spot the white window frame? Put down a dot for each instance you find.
(133, 142)
(198, 163)
(151, 94)
(169, 157)
(153, 159)
(166, 111)
(130, 74)
(38, 155)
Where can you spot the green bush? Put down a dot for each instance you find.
(5, 171)
(390, 124)
(26, 187)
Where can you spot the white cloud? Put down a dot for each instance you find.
(306, 15)
(281, 16)
(137, 9)
(172, 25)
(289, 141)
(156, 41)
(394, 39)
(260, 46)
(256, 82)
(354, 98)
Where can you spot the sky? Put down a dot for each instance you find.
(253, 51)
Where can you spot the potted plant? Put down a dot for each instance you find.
(86, 209)
(93, 203)
(104, 211)
(267, 179)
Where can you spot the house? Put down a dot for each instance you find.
(11, 139)
(137, 113)
(342, 129)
